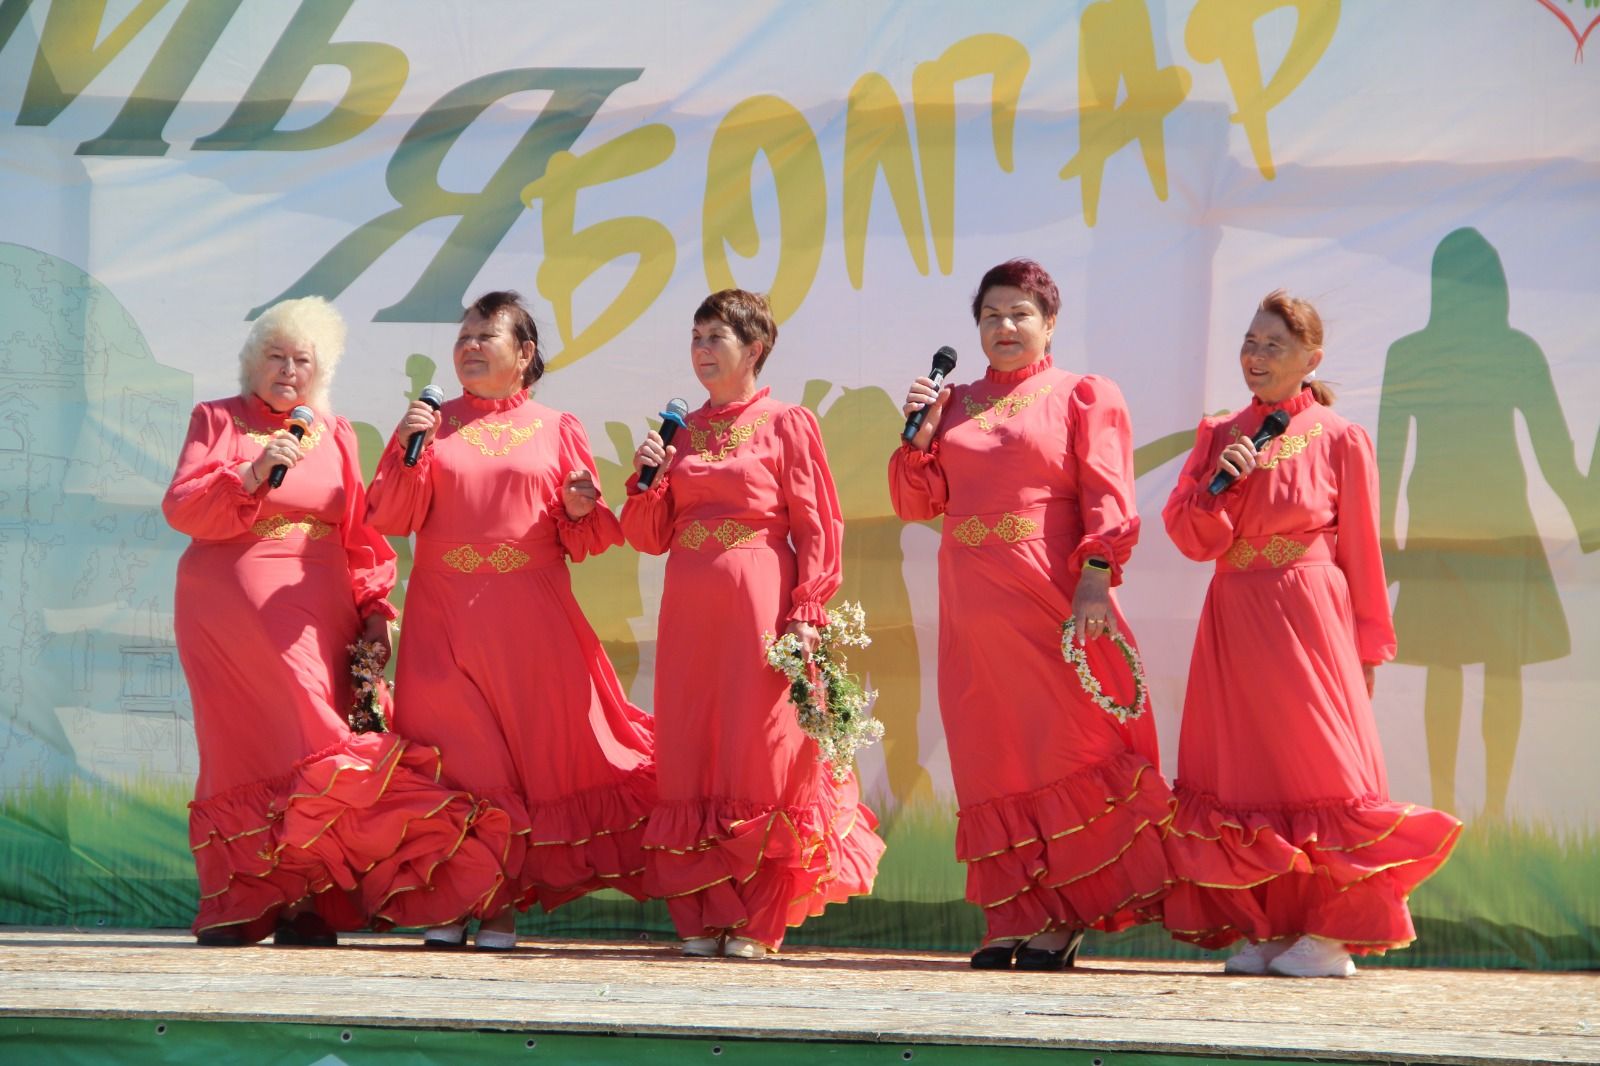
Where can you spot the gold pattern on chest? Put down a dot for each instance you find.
(501, 436)
(700, 439)
(1288, 446)
(991, 414)
(312, 438)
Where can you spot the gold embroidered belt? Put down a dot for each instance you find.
(726, 534)
(1277, 552)
(484, 557)
(279, 526)
(1011, 527)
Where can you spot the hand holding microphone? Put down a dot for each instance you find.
(657, 450)
(925, 400)
(287, 451)
(422, 419)
(1239, 458)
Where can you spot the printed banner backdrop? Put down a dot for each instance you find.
(1427, 173)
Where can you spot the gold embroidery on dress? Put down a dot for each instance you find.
(1289, 447)
(473, 433)
(971, 532)
(1241, 554)
(700, 439)
(1012, 528)
(694, 534)
(312, 438)
(277, 527)
(731, 534)
(464, 558)
(1003, 408)
(1281, 549)
(505, 559)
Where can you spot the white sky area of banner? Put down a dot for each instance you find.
(1418, 120)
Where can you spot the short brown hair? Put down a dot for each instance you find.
(1304, 324)
(747, 314)
(522, 328)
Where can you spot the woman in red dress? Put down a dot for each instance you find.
(1061, 803)
(1285, 834)
(498, 666)
(752, 834)
(299, 827)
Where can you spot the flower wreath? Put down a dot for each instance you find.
(839, 722)
(1073, 653)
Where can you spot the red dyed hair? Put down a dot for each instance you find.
(1305, 325)
(1023, 274)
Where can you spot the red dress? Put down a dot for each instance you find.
(1061, 807)
(752, 834)
(290, 803)
(498, 666)
(1285, 825)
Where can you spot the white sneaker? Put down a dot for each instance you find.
(1252, 959)
(1312, 956)
(702, 947)
(738, 947)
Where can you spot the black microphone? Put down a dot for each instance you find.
(671, 422)
(300, 420)
(944, 361)
(1276, 423)
(433, 396)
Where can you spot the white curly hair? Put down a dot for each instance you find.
(310, 320)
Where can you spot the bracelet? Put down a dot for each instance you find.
(1095, 563)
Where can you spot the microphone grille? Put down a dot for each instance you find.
(676, 406)
(944, 360)
(303, 414)
(432, 395)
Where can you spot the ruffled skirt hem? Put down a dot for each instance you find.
(755, 870)
(1084, 852)
(363, 828)
(581, 843)
(1340, 869)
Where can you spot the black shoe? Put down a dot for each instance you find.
(223, 936)
(995, 957)
(1061, 959)
(305, 930)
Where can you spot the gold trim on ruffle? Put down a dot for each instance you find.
(1011, 528)
(278, 527)
(504, 559)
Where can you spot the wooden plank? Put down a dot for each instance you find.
(1475, 1018)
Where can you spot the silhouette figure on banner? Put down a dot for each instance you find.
(1475, 585)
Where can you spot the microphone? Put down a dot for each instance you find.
(300, 420)
(433, 396)
(1275, 424)
(944, 361)
(671, 422)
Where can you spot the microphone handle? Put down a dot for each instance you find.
(275, 479)
(914, 419)
(669, 429)
(1262, 438)
(414, 447)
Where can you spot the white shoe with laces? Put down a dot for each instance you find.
(1252, 959)
(1313, 956)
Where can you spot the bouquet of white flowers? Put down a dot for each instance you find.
(831, 704)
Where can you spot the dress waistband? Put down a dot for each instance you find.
(282, 527)
(727, 534)
(1054, 518)
(484, 557)
(1280, 551)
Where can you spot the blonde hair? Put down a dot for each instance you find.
(310, 320)
(1305, 325)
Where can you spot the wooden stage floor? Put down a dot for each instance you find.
(904, 999)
